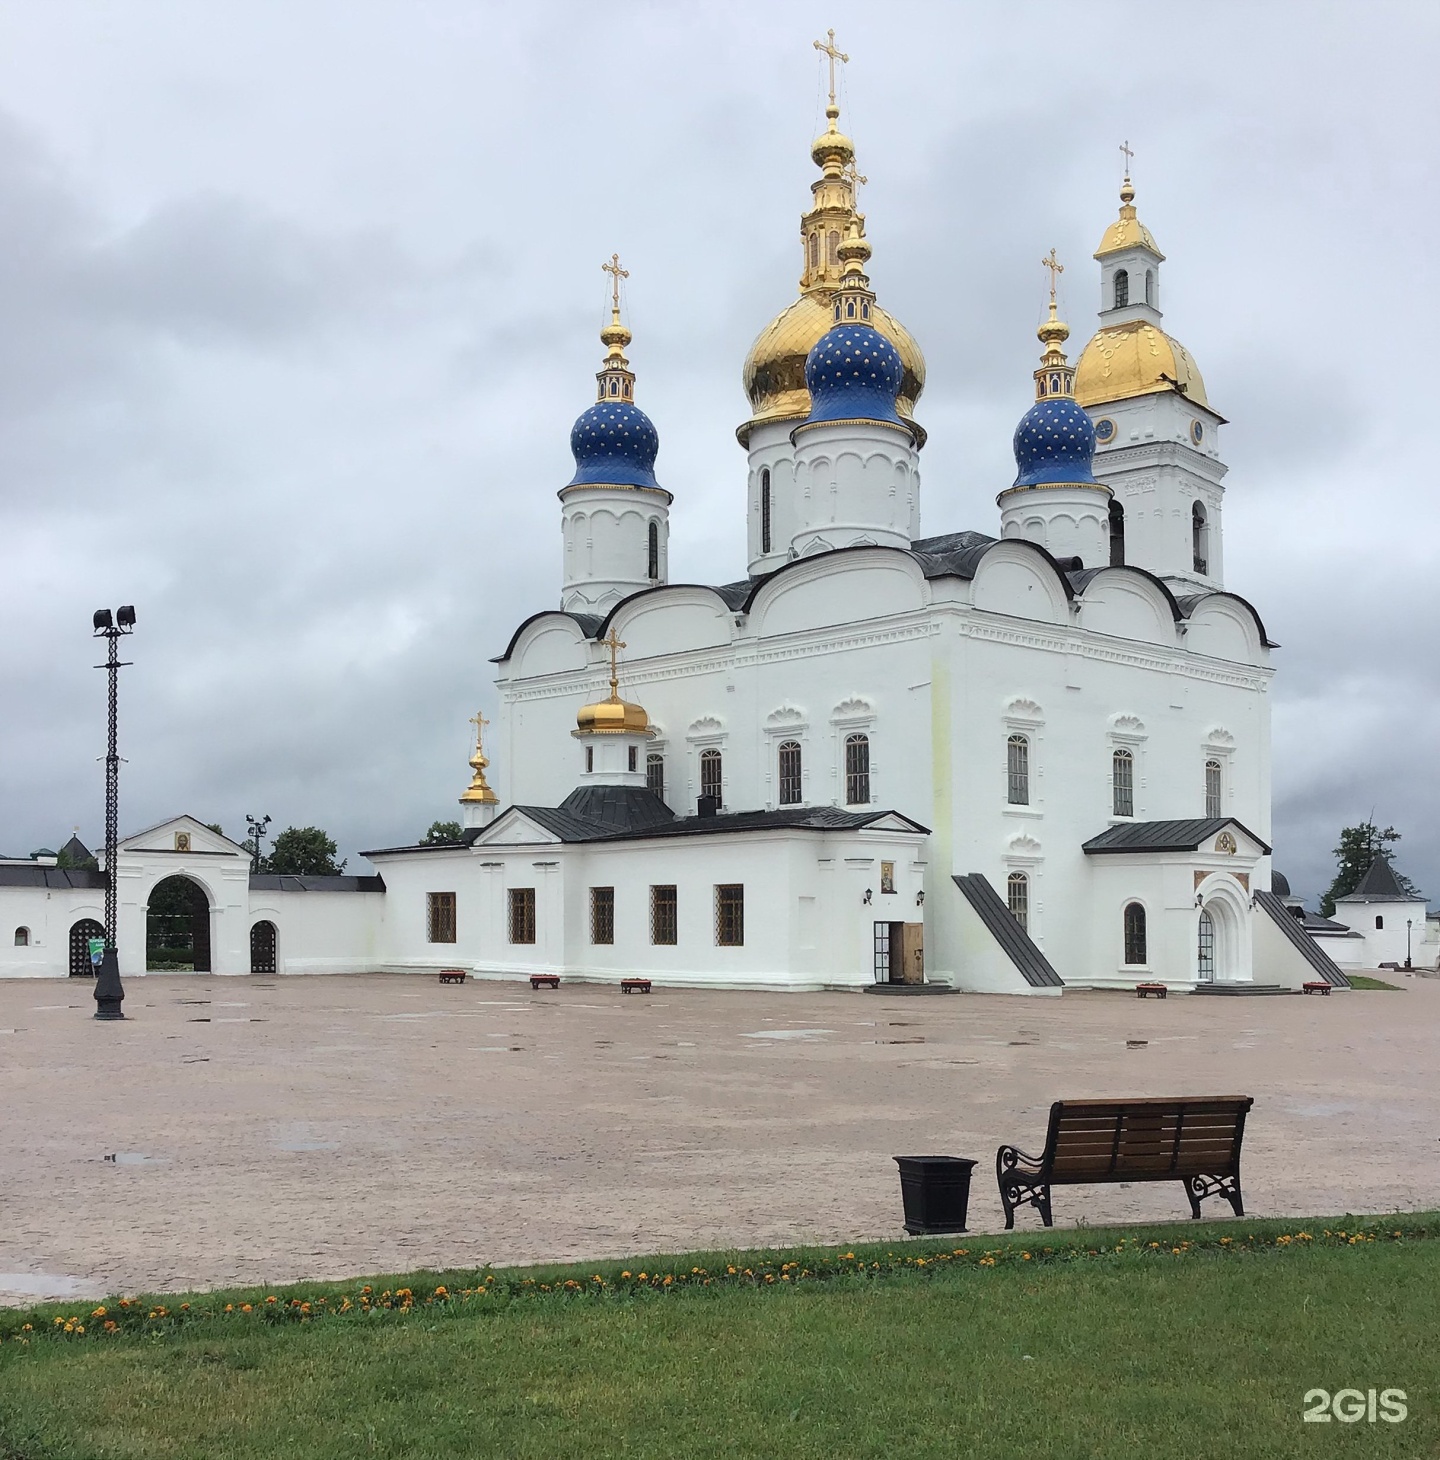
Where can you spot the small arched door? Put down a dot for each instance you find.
(80, 936)
(262, 947)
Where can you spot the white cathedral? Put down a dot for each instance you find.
(1005, 761)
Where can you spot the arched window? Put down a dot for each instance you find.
(614, 387)
(790, 773)
(710, 775)
(1135, 949)
(1205, 948)
(1150, 287)
(1017, 783)
(857, 770)
(655, 774)
(22, 937)
(1379, 925)
(814, 250)
(1122, 783)
(1200, 538)
(653, 564)
(1117, 534)
(833, 247)
(765, 510)
(1122, 288)
(1213, 797)
(1017, 898)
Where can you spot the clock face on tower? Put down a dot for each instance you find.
(1104, 430)
(1197, 432)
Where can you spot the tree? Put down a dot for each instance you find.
(302, 851)
(442, 833)
(1360, 847)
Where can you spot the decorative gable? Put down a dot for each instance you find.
(184, 835)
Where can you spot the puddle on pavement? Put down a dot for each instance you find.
(307, 1145)
(912, 1039)
(1136, 1043)
(205, 1020)
(45, 1285)
(787, 1033)
(136, 1158)
(195, 1059)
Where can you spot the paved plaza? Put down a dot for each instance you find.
(263, 1130)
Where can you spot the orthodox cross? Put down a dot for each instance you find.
(1125, 148)
(614, 643)
(1056, 268)
(479, 721)
(828, 48)
(856, 178)
(616, 274)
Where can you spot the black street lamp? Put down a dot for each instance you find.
(1408, 923)
(109, 995)
(256, 828)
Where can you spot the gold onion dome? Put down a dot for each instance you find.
(774, 372)
(479, 789)
(1135, 357)
(612, 717)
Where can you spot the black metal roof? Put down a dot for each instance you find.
(278, 882)
(1163, 836)
(76, 850)
(1002, 925)
(1379, 884)
(1295, 934)
(626, 808)
(1279, 884)
(58, 877)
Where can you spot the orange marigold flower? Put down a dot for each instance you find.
(246, 1308)
(98, 1313)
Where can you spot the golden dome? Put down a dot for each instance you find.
(612, 717)
(479, 789)
(1127, 231)
(1125, 360)
(775, 367)
(832, 142)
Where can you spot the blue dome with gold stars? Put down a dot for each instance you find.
(1054, 445)
(853, 374)
(614, 444)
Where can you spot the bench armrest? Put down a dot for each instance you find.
(1011, 1158)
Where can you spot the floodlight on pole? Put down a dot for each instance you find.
(109, 994)
(256, 827)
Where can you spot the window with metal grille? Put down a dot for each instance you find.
(710, 775)
(522, 914)
(765, 510)
(1122, 288)
(1122, 783)
(789, 754)
(664, 915)
(655, 774)
(652, 567)
(857, 770)
(602, 914)
(1017, 898)
(1212, 788)
(1135, 950)
(730, 915)
(442, 916)
(1017, 791)
(1205, 953)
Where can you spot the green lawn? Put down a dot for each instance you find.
(1080, 1350)
(1364, 981)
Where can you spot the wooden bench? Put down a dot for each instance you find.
(544, 980)
(452, 975)
(1144, 990)
(634, 985)
(1318, 987)
(1194, 1141)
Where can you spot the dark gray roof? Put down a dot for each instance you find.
(1163, 836)
(625, 808)
(1314, 923)
(1014, 941)
(38, 876)
(1379, 884)
(1296, 935)
(276, 882)
(76, 849)
(1279, 884)
(570, 827)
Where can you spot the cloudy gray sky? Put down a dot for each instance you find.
(298, 300)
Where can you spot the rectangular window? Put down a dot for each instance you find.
(655, 774)
(1017, 791)
(442, 916)
(711, 775)
(1122, 779)
(1212, 789)
(522, 914)
(730, 915)
(857, 770)
(589, 759)
(664, 915)
(602, 914)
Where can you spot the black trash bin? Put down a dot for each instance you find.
(936, 1191)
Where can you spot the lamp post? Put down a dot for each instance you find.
(1408, 923)
(109, 994)
(256, 827)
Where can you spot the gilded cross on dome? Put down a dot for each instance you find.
(479, 721)
(616, 274)
(614, 643)
(1125, 148)
(827, 48)
(1056, 268)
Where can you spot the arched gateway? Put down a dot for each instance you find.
(177, 926)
